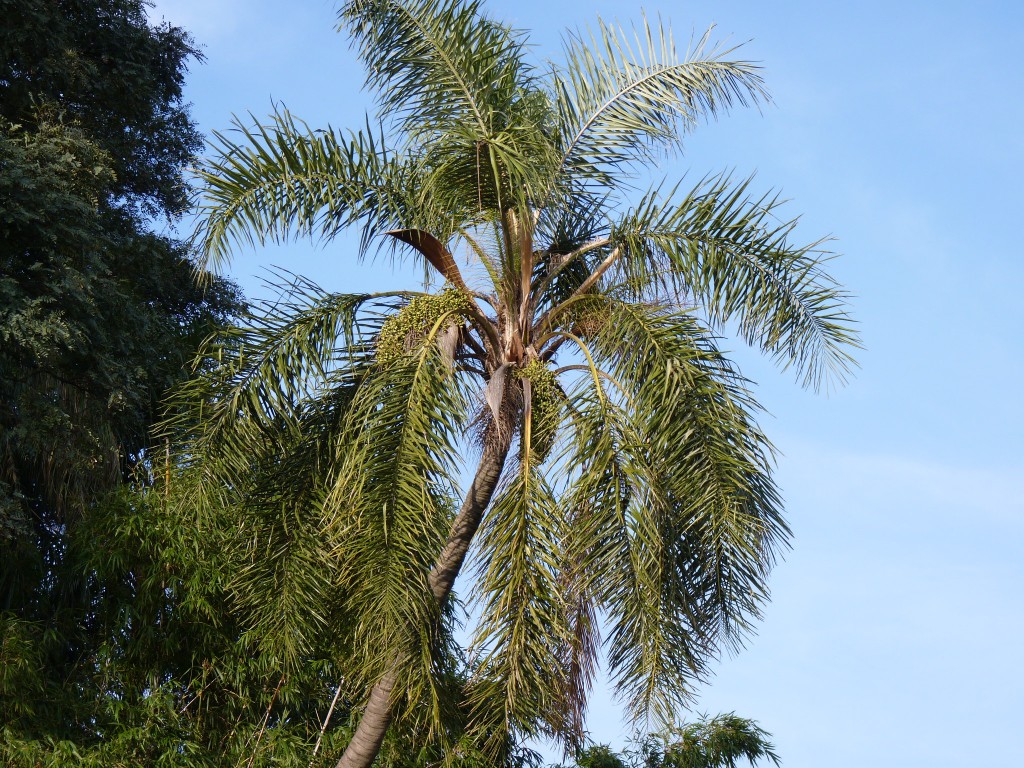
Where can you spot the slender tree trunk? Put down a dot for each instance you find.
(369, 734)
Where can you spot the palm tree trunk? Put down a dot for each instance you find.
(369, 734)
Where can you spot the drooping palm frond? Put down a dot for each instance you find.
(522, 626)
(733, 256)
(698, 521)
(594, 501)
(281, 586)
(259, 376)
(579, 657)
(246, 468)
(279, 179)
(390, 503)
(340, 472)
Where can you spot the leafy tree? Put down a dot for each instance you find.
(600, 756)
(621, 480)
(711, 742)
(100, 66)
(99, 314)
(716, 742)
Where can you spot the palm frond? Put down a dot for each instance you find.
(523, 624)
(249, 433)
(337, 518)
(257, 376)
(437, 64)
(703, 523)
(282, 585)
(269, 181)
(594, 498)
(618, 99)
(390, 506)
(732, 254)
(454, 85)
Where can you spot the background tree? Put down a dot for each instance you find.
(710, 742)
(99, 313)
(621, 478)
(716, 742)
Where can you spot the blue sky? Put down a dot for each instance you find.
(895, 631)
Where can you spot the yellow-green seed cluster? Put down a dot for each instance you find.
(588, 319)
(405, 330)
(545, 403)
(590, 323)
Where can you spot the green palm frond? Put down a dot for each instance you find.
(250, 457)
(341, 491)
(269, 181)
(456, 88)
(733, 255)
(702, 525)
(523, 623)
(653, 652)
(282, 585)
(436, 65)
(618, 99)
(594, 502)
(284, 548)
(262, 373)
(390, 505)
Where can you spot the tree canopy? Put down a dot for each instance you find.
(709, 742)
(99, 315)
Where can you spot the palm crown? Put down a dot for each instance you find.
(622, 483)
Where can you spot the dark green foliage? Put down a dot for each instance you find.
(157, 676)
(100, 65)
(711, 742)
(170, 677)
(99, 316)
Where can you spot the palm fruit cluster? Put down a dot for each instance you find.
(590, 323)
(588, 319)
(406, 330)
(545, 402)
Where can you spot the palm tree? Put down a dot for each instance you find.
(622, 486)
